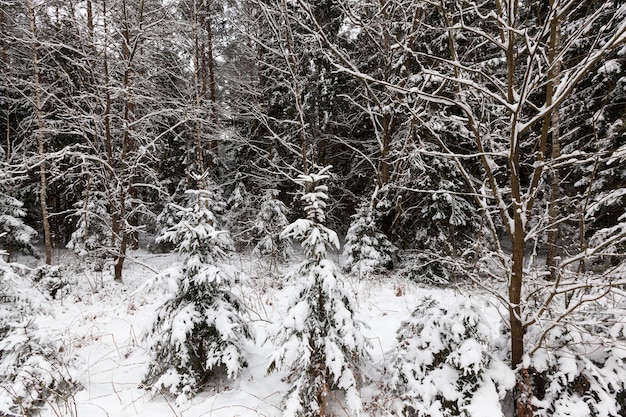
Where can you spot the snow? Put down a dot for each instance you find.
(184, 322)
(485, 394)
(610, 66)
(104, 328)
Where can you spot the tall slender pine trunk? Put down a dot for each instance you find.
(43, 181)
(551, 126)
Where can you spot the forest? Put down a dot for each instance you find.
(439, 147)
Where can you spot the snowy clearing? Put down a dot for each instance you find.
(105, 329)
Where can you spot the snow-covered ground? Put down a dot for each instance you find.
(103, 322)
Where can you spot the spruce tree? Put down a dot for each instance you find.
(15, 235)
(91, 238)
(320, 341)
(367, 249)
(579, 370)
(199, 331)
(269, 223)
(240, 215)
(442, 364)
(35, 365)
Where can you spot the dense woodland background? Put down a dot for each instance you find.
(471, 142)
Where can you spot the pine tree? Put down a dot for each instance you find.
(270, 222)
(442, 364)
(321, 344)
(437, 216)
(35, 366)
(579, 368)
(239, 215)
(91, 238)
(199, 331)
(15, 235)
(165, 220)
(367, 249)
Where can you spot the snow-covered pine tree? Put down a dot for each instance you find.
(442, 366)
(580, 370)
(367, 249)
(606, 212)
(165, 220)
(439, 221)
(270, 222)
(240, 215)
(320, 341)
(15, 235)
(199, 331)
(35, 366)
(170, 214)
(92, 237)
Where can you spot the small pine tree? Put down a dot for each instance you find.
(607, 211)
(270, 222)
(367, 249)
(579, 370)
(92, 237)
(239, 216)
(321, 344)
(35, 367)
(15, 235)
(199, 331)
(170, 214)
(441, 364)
(165, 220)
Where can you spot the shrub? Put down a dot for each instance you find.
(578, 371)
(442, 366)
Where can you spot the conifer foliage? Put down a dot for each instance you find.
(199, 332)
(36, 368)
(92, 238)
(367, 249)
(269, 223)
(576, 374)
(15, 235)
(442, 365)
(320, 341)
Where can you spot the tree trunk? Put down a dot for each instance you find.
(385, 169)
(199, 87)
(515, 292)
(107, 91)
(124, 220)
(212, 85)
(551, 126)
(523, 405)
(43, 190)
(5, 68)
(108, 142)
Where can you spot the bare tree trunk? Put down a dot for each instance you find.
(43, 190)
(523, 404)
(297, 93)
(199, 87)
(5, 67)
(385, 169)
(125, 222)
(108, 142)
(212, 85)
(518, 237)
(107, 90)
(386, 122)
(387, 219)
(551, 126)
(518, 232)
